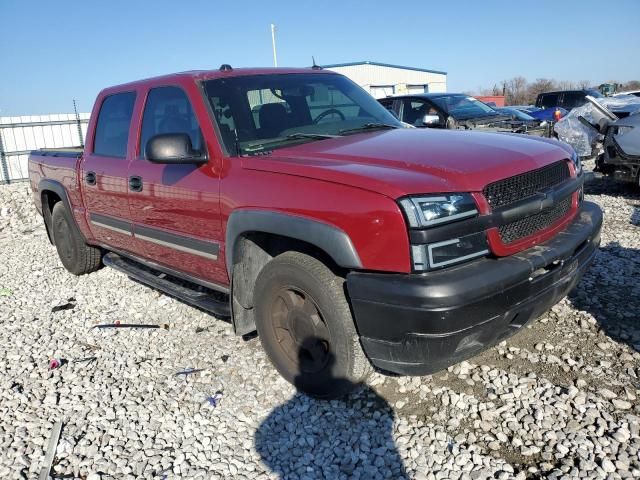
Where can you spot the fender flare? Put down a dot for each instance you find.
(46, 184)
(335, 242)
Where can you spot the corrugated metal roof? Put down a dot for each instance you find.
(368, 62)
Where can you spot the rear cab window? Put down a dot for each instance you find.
(113, 125)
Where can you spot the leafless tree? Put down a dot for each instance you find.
(566, 85)
(539, 86)
(518, 91)
(515, 91)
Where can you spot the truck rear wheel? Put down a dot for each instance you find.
(306, 327)
(76, 256)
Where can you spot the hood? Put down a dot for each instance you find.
(407, 161)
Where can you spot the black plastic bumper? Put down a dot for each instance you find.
(421, 323)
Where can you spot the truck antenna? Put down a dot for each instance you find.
(315, 66)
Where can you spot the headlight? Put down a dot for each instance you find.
(577, 163)
(429, 211)
(434, 211)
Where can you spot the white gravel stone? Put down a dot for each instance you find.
(566, 400)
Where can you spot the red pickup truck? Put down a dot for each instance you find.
(291, 202)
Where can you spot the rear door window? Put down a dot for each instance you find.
(112, 127)
(168, 110)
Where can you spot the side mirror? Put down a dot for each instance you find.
(173, 148)
(431, 121)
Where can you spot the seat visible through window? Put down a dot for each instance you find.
(273, 119)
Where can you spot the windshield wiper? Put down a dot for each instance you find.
(318, 136)
(369, 126)
(291, 136)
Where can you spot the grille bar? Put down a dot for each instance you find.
(519, 187)
(529, 225)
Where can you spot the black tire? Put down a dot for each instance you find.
(306, 327)
(76, 256)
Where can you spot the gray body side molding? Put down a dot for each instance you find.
(335, 242)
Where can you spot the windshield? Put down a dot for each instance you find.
(462, 107)
(257, 113)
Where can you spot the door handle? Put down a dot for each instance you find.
(135, 183)
(90, 178)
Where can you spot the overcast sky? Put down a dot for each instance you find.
(54, 51)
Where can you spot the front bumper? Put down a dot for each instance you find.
(418, 324)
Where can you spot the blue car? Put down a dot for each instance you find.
(548, 114)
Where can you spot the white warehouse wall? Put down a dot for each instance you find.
(370, 74)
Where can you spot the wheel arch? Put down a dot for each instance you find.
(254, 237)
(52, 192)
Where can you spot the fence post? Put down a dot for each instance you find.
(78, 124)
(3, 160)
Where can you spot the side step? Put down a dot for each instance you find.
(213, 302)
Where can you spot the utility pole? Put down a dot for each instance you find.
(273, 43)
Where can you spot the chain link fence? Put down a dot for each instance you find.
(20, 135)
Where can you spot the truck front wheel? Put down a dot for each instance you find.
(76, 256)
(306, 328)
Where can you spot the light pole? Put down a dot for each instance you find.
(273, 43)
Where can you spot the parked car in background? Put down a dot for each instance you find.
(454, 111)
(621, 150)
(525, 108)
(516, 114)
(567, 99)
(552, 114)
(521, 122)
(344, 239)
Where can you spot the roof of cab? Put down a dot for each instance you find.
(199, 75)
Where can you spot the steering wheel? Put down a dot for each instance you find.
(331, 111)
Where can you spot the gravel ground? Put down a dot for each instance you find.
(559, 400)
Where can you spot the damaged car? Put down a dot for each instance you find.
(457, 111)
(596, 130)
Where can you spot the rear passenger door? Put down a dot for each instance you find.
(176, 211)
(103, 171)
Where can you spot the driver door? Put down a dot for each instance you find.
(175, 211)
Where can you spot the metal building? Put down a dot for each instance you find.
(383, 79)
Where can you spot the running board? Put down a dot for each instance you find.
(213, 302)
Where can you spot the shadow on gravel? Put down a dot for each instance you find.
(307, 438)
(610, 291)
(614, 188)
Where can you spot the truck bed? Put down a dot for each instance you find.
(58, 165)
